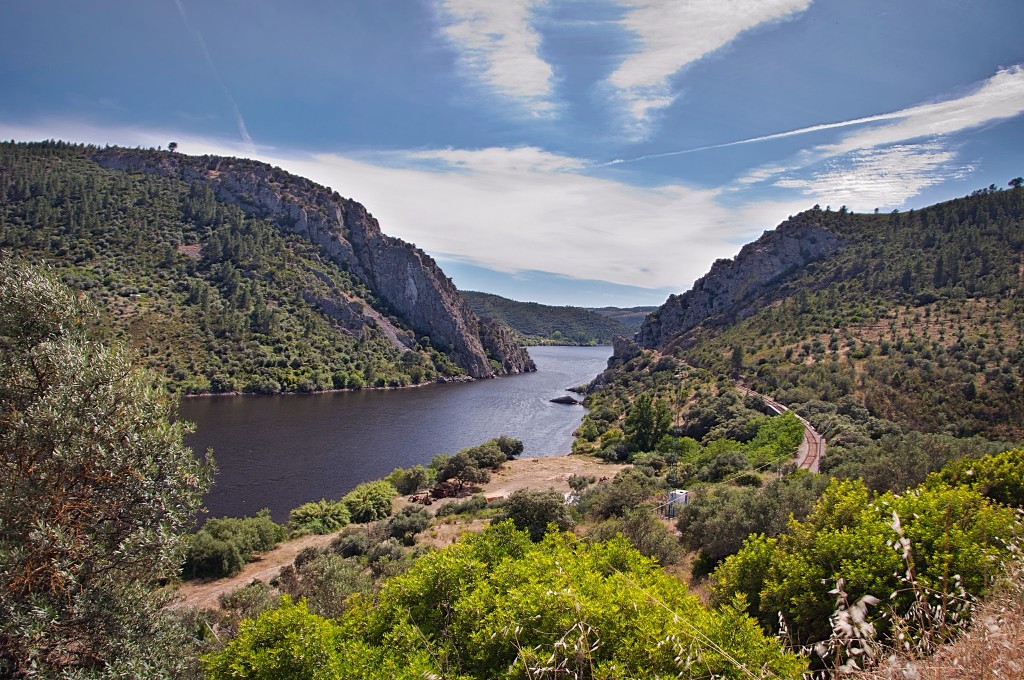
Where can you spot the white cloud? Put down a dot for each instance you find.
(880, 166)
(881, 178)
(671, 34)
(496, 210)
(498, 45)
(508, 209)
(998, 98)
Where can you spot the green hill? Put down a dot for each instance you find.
(228, 275)
(539, 324)
(897, 335)
(917, 317)
(630, 317)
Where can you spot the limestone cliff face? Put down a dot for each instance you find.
(408, 280)
(733, 289)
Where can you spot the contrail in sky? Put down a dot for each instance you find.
(764, 138)
(242, 130)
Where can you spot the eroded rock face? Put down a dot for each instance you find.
(407, 279)
(732, 289)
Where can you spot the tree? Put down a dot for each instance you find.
(172, 147)
(370, 501)
(647, 422)
(98, 486)
(1016, 182)
(533, 511)
(463, 468)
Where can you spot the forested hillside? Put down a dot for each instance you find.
(915, 317)
(217, 295)
(539, 324)
(630, 317)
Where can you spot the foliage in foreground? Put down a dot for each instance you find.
(943, 542)
(496, 605)
(98, 488)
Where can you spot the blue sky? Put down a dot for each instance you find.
(574, 152)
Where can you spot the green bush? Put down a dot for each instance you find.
(496, 606)
(370, 501)
(536, 511)
(929, 533)
(353, 542)
(473, 504)
(224, 544)
(209, 557)
(408, 522)
(645, 531)
(411, 480)
(999, 477)
(319, 517)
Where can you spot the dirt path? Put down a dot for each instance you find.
(551, 472)
(205, 594)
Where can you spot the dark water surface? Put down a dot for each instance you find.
(278, 452)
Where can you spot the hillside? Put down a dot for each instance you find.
(914, 319)
(539, 324)
(230, 275)
(630, 317)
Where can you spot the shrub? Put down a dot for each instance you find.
(932, 533)
(353, 542)
(411, 480)
(534, 511)
(579, 482)
(644, 531)
(369, 501)
(408, 522)
(303, 647)
(209, 557)
(325, 583)
(999, 477)
(474, 503)
(629, 489)
(319, 517)
(224, 544)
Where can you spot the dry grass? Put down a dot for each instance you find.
(992, 648)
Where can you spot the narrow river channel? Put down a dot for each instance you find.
(278, 452)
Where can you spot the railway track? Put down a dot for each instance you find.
(811, 449)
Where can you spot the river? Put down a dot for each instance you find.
(278, 452)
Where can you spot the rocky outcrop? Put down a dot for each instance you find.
(734, 288)
(500, 344)
(405, 278)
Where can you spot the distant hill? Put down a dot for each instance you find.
(630, 317)
(914, 319)
(228, 274)
(543, 324)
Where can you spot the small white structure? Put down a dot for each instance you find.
(677, 498)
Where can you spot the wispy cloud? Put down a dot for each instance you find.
(243, 131)
(498, 45)
(881, 165)
(882, 177)
(671, 34)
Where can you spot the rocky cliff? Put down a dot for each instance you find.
(734, 289)
(405, 278)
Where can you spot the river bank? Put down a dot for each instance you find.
(537, 473)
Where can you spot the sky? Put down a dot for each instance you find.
(575, 152)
